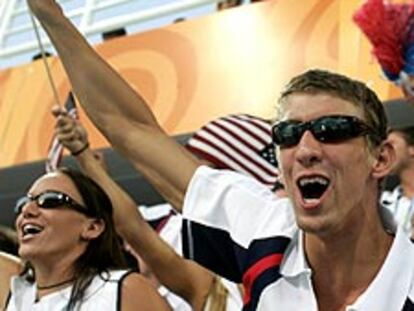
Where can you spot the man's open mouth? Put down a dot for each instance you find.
(312, 188)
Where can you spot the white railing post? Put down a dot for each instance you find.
(6, 12)
(87, 15)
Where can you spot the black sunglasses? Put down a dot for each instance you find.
(51, 199)
(327, 129)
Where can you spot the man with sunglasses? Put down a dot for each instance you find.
(327, 247)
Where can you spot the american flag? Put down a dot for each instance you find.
(55, 153)
(241, 143)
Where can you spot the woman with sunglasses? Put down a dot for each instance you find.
(199, 287)
(74, 259)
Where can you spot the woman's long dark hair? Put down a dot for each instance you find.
(102, 253)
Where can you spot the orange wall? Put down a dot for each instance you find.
(233, 61)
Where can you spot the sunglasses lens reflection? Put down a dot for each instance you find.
(50, 200)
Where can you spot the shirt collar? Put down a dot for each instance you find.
(24, 293)
(389, 289)
(20, 286)
(294, 262)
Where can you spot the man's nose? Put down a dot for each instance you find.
(308, 150)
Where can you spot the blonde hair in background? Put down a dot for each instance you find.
(218, 294)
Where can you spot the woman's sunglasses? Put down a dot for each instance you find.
(328, 129)
(50, 200)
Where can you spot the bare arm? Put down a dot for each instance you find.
(185, 278)
(113, 106)
(138, 294)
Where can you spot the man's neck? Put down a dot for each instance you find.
(345, 264)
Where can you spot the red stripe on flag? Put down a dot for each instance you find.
(256, 270)
(235, 135)
(248, 131)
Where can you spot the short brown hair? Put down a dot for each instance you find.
(322, 81)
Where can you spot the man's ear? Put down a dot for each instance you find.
(93, 229)
(384, 160)
(411, 150)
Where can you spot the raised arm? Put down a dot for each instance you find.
(185, 278)
(113, 106)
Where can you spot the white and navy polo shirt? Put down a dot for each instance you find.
(237, 228)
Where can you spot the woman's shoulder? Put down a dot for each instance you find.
(137, 291)
(133, 281)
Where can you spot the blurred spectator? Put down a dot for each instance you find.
(39, 55)
(8, 240)
(115, 33)
(179, 20)
(398, 196)
(227, 4)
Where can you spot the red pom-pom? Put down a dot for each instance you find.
(387, 27)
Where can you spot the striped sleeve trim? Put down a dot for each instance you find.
(254, 272)
(256, 267)
(214, 249)
(263, 265)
